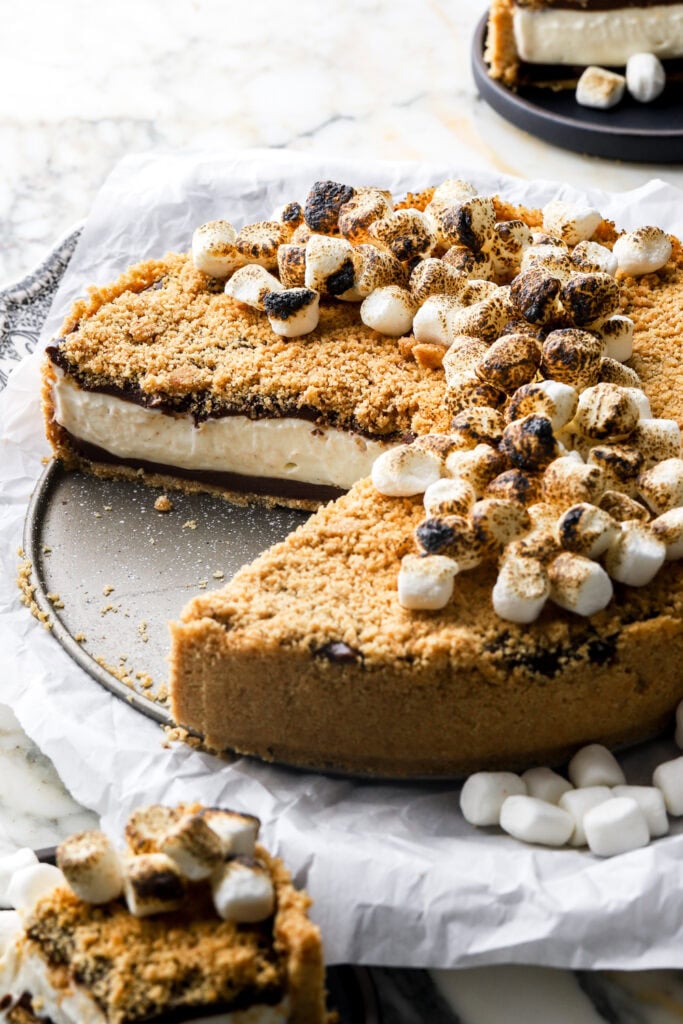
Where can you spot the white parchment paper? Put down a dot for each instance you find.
(397, 876)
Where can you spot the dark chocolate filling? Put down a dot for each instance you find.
(593, 5)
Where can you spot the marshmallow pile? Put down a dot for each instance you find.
(645, 80)
(594, 807)
(168, 851)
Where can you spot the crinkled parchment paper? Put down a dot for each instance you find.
(397, 876)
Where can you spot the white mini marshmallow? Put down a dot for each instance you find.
(404, 471)
(449, 496)
(484, 793)
(656, 439)
(591, 257)
(615, 826)
(571, 222)
(599, 88)
(643, 251)
(662, 486)
(243, 891)
(651, 803)
(431, 323)
(545, 784)
(389, 310)
(635, 555)
(535, 821)
(29, 884)
(669, 529)
(91, 866)
(426, 583)
(578, 802)
(238, 832)
(668, 777)
(645, 77)
(679, 725)
(194, 847)
(22, 858)
(213, 249)
(617, 332)
(521, 590)
(292, 312)
(595, 765)
(251, 284)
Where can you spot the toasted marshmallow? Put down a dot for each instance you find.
(243, 891)
(530, 443)
(643, 251)
(291, 265)
(545, 784)
(567, 481)
(515, 485)
(572, 357)
(668, 528)
(497, 521)
(450, 496)
(483, 794)
(465, 389)
(330, 264)
(358, 213)
(641, 400)
(590, 297)
(464, 353)
(453, 537)
(473, 265)
(29, 884)
(478, 466)
(238, 832)
(622, 508)
(606, 412)
(617, 333)
(549, 398)
(431, 323)
(405, 470)
(440, 445)
(651, 803)
(323, 205)
(476, 290)
(657, 440)
(146, 827)
(389, 310)
(91, 866)
(374, 268)
(251, 284)
(213, 249)
(579, 584)
(506, 246)
(258, 243)
(483, 319)
(293, 312)
(571, 222)
(470, 223)
(434, 277)
(540, 543)
(10, 930)
(616, 826)
(301, 235)
(408, 233)
(534, 293)
(11, 862)
(613, 372)
(290, 215)
(635, 555)
(645, 77)
(586, 530)
(194, 846)
(551, 259)
(426, 583)
(477, 425)
(510, 362)
(453, 190)
(621, 465)
(153, 884)
(521, 589)
(593, 258)
(578, 802)
(662, 486)
(600, 89)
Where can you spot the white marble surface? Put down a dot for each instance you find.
(81, 85)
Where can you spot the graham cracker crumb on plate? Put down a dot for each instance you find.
(163, 503)
(80, 638)
(107, 590)
(190, 524)
(218, 574)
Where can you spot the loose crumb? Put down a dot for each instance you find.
(107, 508)
(202, 584)
(27, 589)
(163, 504)
(191, 524)
(55, 600)
(108, 608)
(80, 638)
(142, 631)
(98, 515)
(218, 574)
(47, 550)
(107, 590)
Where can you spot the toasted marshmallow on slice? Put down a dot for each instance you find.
(425, 583)
(643, 251)
(464, 353)
(617, 333)
(521, 589)
(586, 530)
(213, 249)
(572, 222)
(153, 884)
(194, 846)
(477, 425)
(453, 537)
(657, 439)
(484, 793)
(147, 825)
(497, 521)
(606, 412)
(662, 486)
(622, 508)
(243, 891)
(550, 259)
(405, 470)
(11, 862)
(534, 294)
(408, 233)
(572, 357)
(292, 312)
(434, 277)
(515, 485)
(645, 77)
(389, 310)
(465, 389)
(588, 298)
(545, 784)
(476, 266)
(635, 555)
(323, 205)
(478, 466)
(510, 362)
(506, 245)
(579, 584)
(483, 319)
(668, 528)
(449, 496)
(29, 884)
(600, 88)
(530, 443)
(238, 832)
(251, 284)
(373, 268)
(591, 257)
(548, 398)
(259, 242)
(91, 866)
(330, 264)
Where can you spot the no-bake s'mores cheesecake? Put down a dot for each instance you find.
(193, 922)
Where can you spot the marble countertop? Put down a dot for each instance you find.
(366, 78)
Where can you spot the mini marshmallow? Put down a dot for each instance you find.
(651, 803)
(11, 862)
(478, 466)
(292, 312)
(238, 832)
(407, 233)
(679, 724)
(506, 245)
(572, 357)
(251, 284)
(194, 846)
(510, 362)
(451, 536)
(440, 445)
(496, 522)
(579, 585)
(477, 290)
(29, 884)
(643, 251)
(464, 353)
(617, 333)
(431, 323)
(389, 310)
(667, 528)
(668, 777)
(330, 264)
(615, 826)
(482, 319)
(545, 784)
(153, 884)
(586, 530)
(465, 389)
(578, 802)
(453, 190)
(641, 400)
(534, 293)
(551, 259)
(662, 486)
(213, 249)
(645, 77)
(600, 89)
(477, 425)
(589, 297)
(594, 765)
(623, 508)
(449, 496)
(613, 372)
(91, 866)
(373, 268)
(259, 242)
(606, 412)
(520, 591)
(548, 398)
(357, 214)
(635, 555)
(468, 223)
(434, 277)
(657, 439)
(529, 443)
(243, 891)
(535, 821)
(539, 543)
(291, 265)
(147, 826)
(591, 257)
(323, 205)
(404, 471)
(571, 222)
(473, 265)
(425, 583)
(484, 793)
(290, 215)
(515, 485)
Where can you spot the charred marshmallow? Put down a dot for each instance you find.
(359, 212)
(529, 443)
(586, 530)
(590, 297)
(293, 312)
(408, 233)
(451, 536)
(477, 425)
(153, 884)
(620, 464)
(496, 522)
(548, 398)
(434, 277)
(510, 362)
(251, 284)
(572, 357)
(330, 264)
(323, 205)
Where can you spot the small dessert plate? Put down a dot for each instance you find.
(642, 132)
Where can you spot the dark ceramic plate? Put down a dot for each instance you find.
(643, 132)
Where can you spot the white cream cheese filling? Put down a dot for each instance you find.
(286, 448)
(557, 36)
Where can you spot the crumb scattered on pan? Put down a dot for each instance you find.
(107, 508)
(108, 608)
(190, 524)
(145, 680)
(55, 600)
(47, 550)
(107, 590)
(163, 503)
(97, 515)
(218, 574)
(152, 540)
(161, 696)
(80, 638)
(119, 672)
(27, 589)
(176, 734)
(142, 631)
(202, 584)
